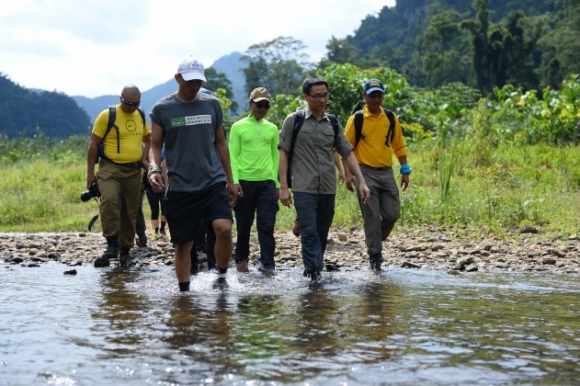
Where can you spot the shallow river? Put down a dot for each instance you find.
(409, 327)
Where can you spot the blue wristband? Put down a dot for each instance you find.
(405, 170)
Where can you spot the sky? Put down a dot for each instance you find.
(95, 47)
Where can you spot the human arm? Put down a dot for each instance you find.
(339, 168)
(234, 150)
(348, 176)
(285, 196)
(144, 157)
(156, 144)
(92, 152)
(224, 154)
(404, 177)
(275, 154)
(364, 191)
(349, 134)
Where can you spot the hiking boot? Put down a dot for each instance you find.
(141, 240)
(221, 283)
(111, 252)
(296, 229)
(268, 271)
(376, 261)
(315, 276)
(125, 258)
(242, 266)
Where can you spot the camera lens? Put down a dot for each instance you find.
(86, 196)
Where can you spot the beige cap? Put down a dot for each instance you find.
(260, 94)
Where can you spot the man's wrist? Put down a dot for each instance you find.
(405, 169)
(153, 169)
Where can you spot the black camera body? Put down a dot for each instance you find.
(92, 192)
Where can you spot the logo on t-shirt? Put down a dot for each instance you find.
(191, 120)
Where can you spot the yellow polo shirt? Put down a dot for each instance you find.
(372, 150)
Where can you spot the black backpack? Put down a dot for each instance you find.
(298, 121)
(110, 125)
(358, 124)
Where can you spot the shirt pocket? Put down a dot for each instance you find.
(327, 140)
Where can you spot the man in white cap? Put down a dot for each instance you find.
(190, 123)
(254, 155)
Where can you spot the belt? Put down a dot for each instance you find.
(373, 168)
(132, 165)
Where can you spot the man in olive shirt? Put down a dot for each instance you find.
(254, 157)
(312, 172)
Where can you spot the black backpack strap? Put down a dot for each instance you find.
(391, 132)
(358, 124)
(110, 125)
(298, 121)
(335, 125)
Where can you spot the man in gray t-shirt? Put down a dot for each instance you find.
(190, 123)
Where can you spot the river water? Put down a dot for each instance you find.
(409, 327)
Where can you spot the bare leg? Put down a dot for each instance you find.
(223, 244)
(183, 261)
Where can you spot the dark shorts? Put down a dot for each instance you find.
(184, 211)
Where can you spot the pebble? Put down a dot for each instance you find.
(430, 248)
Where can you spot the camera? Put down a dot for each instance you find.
(92, 192)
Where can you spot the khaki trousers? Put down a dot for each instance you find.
(382, 210)
(120, 188)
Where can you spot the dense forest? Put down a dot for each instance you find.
(481, 43)
(25, 112)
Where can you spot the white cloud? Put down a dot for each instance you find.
(94, 47)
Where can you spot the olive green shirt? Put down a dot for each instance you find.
(313, 161)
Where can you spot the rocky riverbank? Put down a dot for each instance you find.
(429, 248)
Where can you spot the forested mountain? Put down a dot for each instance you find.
(482, 43)
(23, 111)
(216, 78)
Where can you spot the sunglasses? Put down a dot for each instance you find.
(262, 105)
(129, 103)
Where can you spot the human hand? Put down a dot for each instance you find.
(365, 192)
(91, 179)
(350, 183)
(285, 197)
(233, 193)
(404, 182)
(240, 191)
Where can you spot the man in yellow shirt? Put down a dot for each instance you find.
(374, 153)
(119, 175)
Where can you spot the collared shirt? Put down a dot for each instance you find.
(254, 151)
(132, 130)
(372, 150)
(313, 161)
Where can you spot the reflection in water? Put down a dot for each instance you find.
(407, 327)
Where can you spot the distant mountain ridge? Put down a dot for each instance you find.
(230, 65)
(24, 111)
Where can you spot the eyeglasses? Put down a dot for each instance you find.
(320, 96)
(262, 105)
(129, 103)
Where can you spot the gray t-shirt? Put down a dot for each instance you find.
(193, 163)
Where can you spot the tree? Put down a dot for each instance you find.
(443, 28)
(479, 28)
(279, 65)
(217, 80)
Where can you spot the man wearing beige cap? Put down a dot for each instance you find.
(254, 157)
(190, 123)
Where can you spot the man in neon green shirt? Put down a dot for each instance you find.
(254, 158)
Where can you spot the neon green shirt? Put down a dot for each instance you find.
(254, 152)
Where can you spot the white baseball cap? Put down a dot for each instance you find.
(191, 68)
